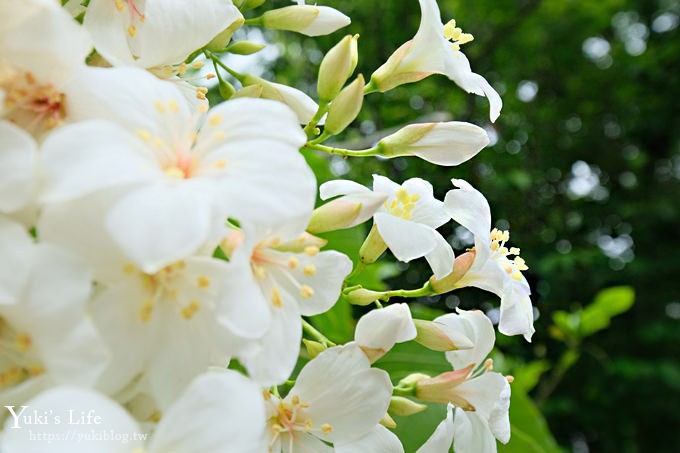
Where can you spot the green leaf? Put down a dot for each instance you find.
(607, 304)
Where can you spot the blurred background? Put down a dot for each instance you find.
(583, 169)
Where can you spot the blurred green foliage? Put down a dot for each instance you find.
(585, 171)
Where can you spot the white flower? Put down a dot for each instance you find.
(151, 321)
(407, 220)
(46, 338)
(18, 156)
(290, 277)
(219, 412)
(380, 329)
(450, 143)
(41, 48)
(337, 398)
(492, 270)
(161, 167)
(435, 49)
(478, 401)
(155, 33)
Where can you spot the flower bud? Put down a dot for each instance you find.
(442, 388)
(440, 337)
(403, 407)
(346, 106)
(380, 329)
(373, 246)
(221, 41)
(388, 422)
(226, 89)
(390, 74)
(303, 106)
(408, 384)
(361, 296)
(461, 265)
(345, 212)
(314, 348)
(337, 67)
(309, 20)
(245, 48)
(447, 144)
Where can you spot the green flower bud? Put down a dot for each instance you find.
(337, 67)
(345, 107)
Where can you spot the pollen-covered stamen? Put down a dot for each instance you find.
(178, 155)
(456, 35)
(271, 267)
(29, 102)
(513, 267)
(402, 204)
(290, 418)
(164, 287)
(18, 360)
(133, 12)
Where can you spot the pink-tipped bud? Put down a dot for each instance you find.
(440, 337)
(461, 265)
(442, 388)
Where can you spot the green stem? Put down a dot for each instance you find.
(342, 151)
(254, 21)
(426, 290)
(358, 269)
(315, 334)
(216, 60)
(320, 112)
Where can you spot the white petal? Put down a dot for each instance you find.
(472, 434)
(220, 412)
(162, 223)
(478, 329)
(244, 310)
(428, 210)
(108, 29)
(172, 29)
(69, 345)
(303, 106)
(379, 439)
(87, 238)
(499, 420)
(359, 397)
(261, 158)
(467, 206)
(384, 185)
(328, 21)
(141, 104)
(273, 357)
(407, 240)
(66, 404)
(517, 315)
(16, 255)
(339, 187)
(17, 167)
(115, 311)
(82, 158)
(383, 327)
(46, 41)
(303, 442)
(323, 273)
(441, 257)
(483, 392)
(451, 143)
(442, 438)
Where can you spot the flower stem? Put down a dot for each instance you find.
(315, 334)
(342, 151)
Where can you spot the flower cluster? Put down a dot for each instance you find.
(158, 255)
